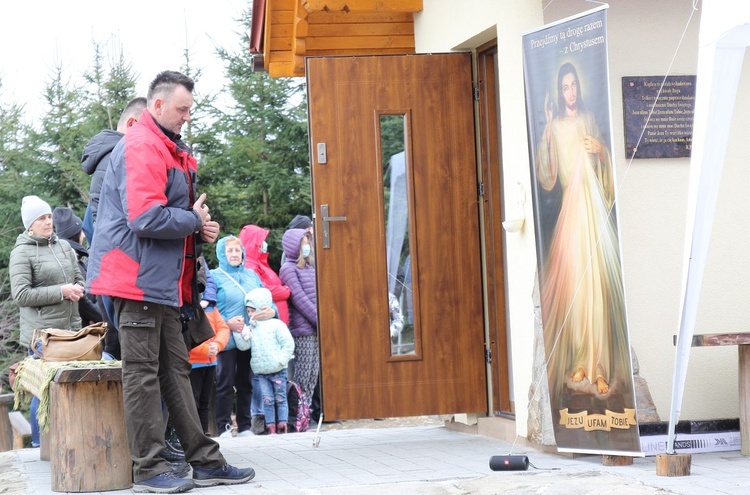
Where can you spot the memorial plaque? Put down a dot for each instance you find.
(669, 132)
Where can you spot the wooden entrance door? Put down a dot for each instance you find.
(436, 365)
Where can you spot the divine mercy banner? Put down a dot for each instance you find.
(580, 271)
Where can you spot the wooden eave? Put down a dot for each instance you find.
(295, 29)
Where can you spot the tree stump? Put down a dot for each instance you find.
(616, 460)
(87, 434)
(673, 465)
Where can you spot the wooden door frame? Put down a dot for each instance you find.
(491, 178)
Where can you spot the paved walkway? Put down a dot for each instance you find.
(417, 460)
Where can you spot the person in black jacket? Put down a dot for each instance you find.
(94, 162)
(96, 158)
(68, 227)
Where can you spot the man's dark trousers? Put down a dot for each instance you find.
(155, 366)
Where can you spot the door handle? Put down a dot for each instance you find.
(324, 225)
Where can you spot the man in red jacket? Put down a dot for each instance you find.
(149, 227)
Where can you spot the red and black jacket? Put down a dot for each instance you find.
(145, 226)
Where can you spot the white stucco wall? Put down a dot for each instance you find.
(652, 193)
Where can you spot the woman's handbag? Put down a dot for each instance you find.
(68, 345)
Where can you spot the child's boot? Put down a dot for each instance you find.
(281, 428)
(271, 429)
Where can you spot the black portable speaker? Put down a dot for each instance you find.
(509, 463)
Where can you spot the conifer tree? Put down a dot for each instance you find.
(13, 182)
(58, 177)
(14, 159)
(109, 89)
(254, 162)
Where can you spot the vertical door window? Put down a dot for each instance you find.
(396, 192)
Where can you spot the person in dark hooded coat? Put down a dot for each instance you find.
(94, 162)
(96, 158)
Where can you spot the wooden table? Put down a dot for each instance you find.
(742, 341)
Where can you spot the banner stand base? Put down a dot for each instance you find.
(616, 460)
(673, 464)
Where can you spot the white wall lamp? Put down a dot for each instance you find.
(516, 217)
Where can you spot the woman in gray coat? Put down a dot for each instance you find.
(45, 281)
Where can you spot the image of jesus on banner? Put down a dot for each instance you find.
(584, 317)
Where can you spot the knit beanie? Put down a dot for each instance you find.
(33, 207)
(67, 224)
(300, 222)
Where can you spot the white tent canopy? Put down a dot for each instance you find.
(723, 40)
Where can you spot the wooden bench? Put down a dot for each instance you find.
(88, 442)
(14, 427)
(742, 341)
(21, 428)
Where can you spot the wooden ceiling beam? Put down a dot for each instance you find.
(295, 29)
(280, 45)
(281, 17)
(300, 30)
(373, 43)
(362, 52)
(279, 5)
(384, 29)
(362, 5)
(281, 69)
(359, 17)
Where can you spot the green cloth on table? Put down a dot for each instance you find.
(34, 377)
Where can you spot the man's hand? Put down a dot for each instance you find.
(201, 209)
(210, 230)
